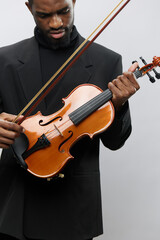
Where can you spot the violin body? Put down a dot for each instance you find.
(51, 137)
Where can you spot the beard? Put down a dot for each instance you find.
(55, 44)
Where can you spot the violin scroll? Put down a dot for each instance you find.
(156, 61)
(148, 68)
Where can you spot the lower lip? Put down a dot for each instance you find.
(57, 35)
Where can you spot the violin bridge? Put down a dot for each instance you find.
(58, 130)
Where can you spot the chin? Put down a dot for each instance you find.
(59, 43)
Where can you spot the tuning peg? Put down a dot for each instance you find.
(156, 74)
(152, 80)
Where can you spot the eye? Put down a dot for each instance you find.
(64, 11)
(43, 15)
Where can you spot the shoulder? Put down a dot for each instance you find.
(15, 54)
(16, 48)
(97, 48)
(99, 54)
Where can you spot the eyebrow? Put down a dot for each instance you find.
(49, 13)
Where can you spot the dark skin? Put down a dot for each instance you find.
(55, 19)
(123, 87)
(8, 130)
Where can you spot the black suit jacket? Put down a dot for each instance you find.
(68, 208)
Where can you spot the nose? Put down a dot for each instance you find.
(55, 22)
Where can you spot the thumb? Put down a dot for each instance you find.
(19, 118)
(133, 67)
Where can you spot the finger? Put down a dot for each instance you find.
(123, 91)
(6, 141)
(5, 133)
(7, 137)
(11, 126)
(131, 80)
(133, 67)
(113, 88)
(125, 85)
(122, 82)
(4, 146)
(7, 117)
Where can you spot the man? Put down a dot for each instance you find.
(69, 208)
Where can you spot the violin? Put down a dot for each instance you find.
(44, 148)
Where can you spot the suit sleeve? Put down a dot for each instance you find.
(116, 135)
(1, 104)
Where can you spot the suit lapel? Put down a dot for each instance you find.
(30, 71)
(80, 73)
(83, 69)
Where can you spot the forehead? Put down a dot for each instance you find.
(48, 5)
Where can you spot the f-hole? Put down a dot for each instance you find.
(60, 146)
(45, 124)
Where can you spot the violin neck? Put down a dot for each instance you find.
(91, 106)
(138, 74)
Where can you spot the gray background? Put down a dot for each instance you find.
(130, 176)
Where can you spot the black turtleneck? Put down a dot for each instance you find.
(51, 60)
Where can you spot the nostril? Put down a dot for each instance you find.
(56, 22)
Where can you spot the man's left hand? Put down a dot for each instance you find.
(123, 87)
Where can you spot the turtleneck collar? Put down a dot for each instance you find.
(42, 41)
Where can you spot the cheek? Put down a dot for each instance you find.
(69, 20)
(41, 24)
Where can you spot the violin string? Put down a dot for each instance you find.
(62, 126)
(34, 140)
(95, 103)
(78, 113)
(47, 134)
(65, 64)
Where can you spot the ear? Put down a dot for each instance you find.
(74, 1)
(28, 6)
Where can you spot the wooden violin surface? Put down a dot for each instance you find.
(57, 133)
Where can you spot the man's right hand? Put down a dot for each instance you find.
(8, 130)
